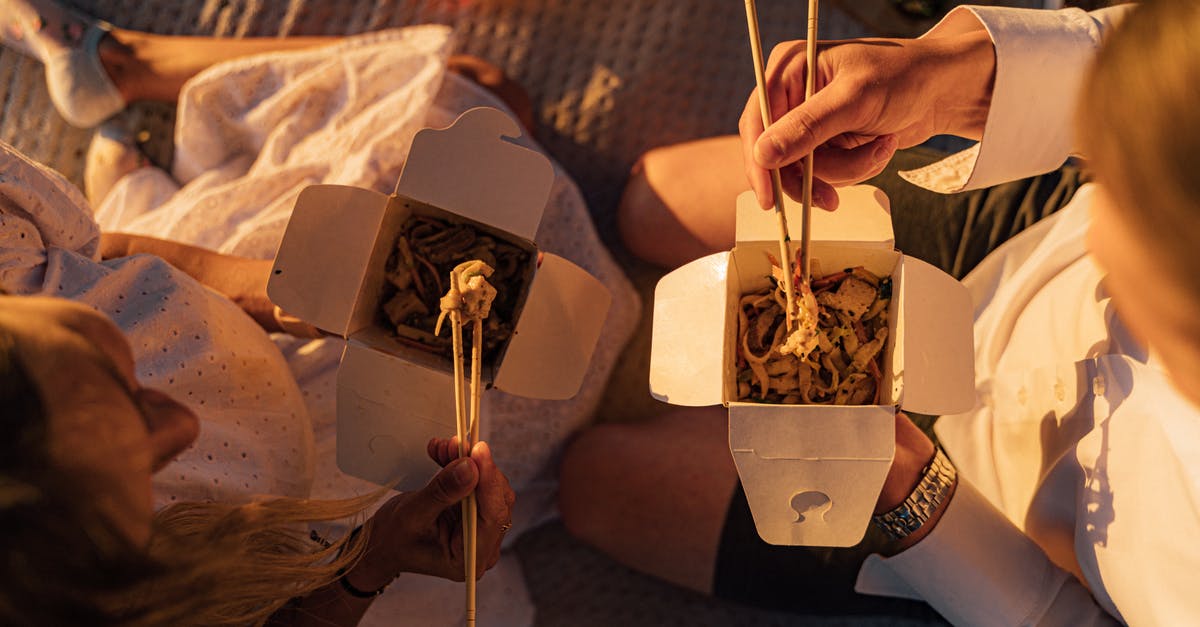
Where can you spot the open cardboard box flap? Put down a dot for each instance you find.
(326, 252)
(553, 341)
(865, 218)
(330, 271)
(687, 366)
(812, 473)
(371, 443)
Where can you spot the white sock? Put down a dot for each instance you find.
(79, 85)
(68, 45)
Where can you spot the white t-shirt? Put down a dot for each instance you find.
(1081, 461)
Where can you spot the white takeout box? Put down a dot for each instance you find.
(812, 473)
(329, 271)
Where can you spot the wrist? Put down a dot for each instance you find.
(114, 245)
(374, 570)
(929, 525)
(963, 106)
(913, 518)
(914, 453)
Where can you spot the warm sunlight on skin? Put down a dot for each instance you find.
(1157, 309)
(104, 428)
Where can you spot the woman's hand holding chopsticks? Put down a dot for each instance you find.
(422, 531)
(493, 492)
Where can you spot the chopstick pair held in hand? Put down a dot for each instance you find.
(776, 183)
(494, 497)
(469, 299)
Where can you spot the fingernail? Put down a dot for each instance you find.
(155, 398)
(883, 151)
(464, 472)
(821, 198)
(767, 151)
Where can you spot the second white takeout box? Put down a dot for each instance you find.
(330, 272)
(812, 473)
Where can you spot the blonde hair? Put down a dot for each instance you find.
(1139, 120)
(209, 564)
(239, 564)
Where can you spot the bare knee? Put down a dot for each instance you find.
(679, 202)
(642, 213)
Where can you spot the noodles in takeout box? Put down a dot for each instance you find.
(833, 354)
(812, 412)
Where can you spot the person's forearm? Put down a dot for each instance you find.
(240, 279)
(1040, 60)
(329, 605)
(227, 274)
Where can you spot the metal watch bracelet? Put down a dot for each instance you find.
(932, 490)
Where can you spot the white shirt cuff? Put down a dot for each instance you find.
(974, 567)
(1041, 62)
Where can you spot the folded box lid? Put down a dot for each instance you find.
(937, 356)
(865, 218)
(811, 473)
(552, 344)
(388, 409)
(475, 169)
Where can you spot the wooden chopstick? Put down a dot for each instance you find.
(471, 530)
(464, 449)
(810, 83)
(764, 105)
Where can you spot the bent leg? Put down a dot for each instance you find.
(145, 66)
(653, 495)
(679, 202)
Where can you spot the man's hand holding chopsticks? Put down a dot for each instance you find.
(873, 97)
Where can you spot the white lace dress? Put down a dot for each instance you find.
(250, 134)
